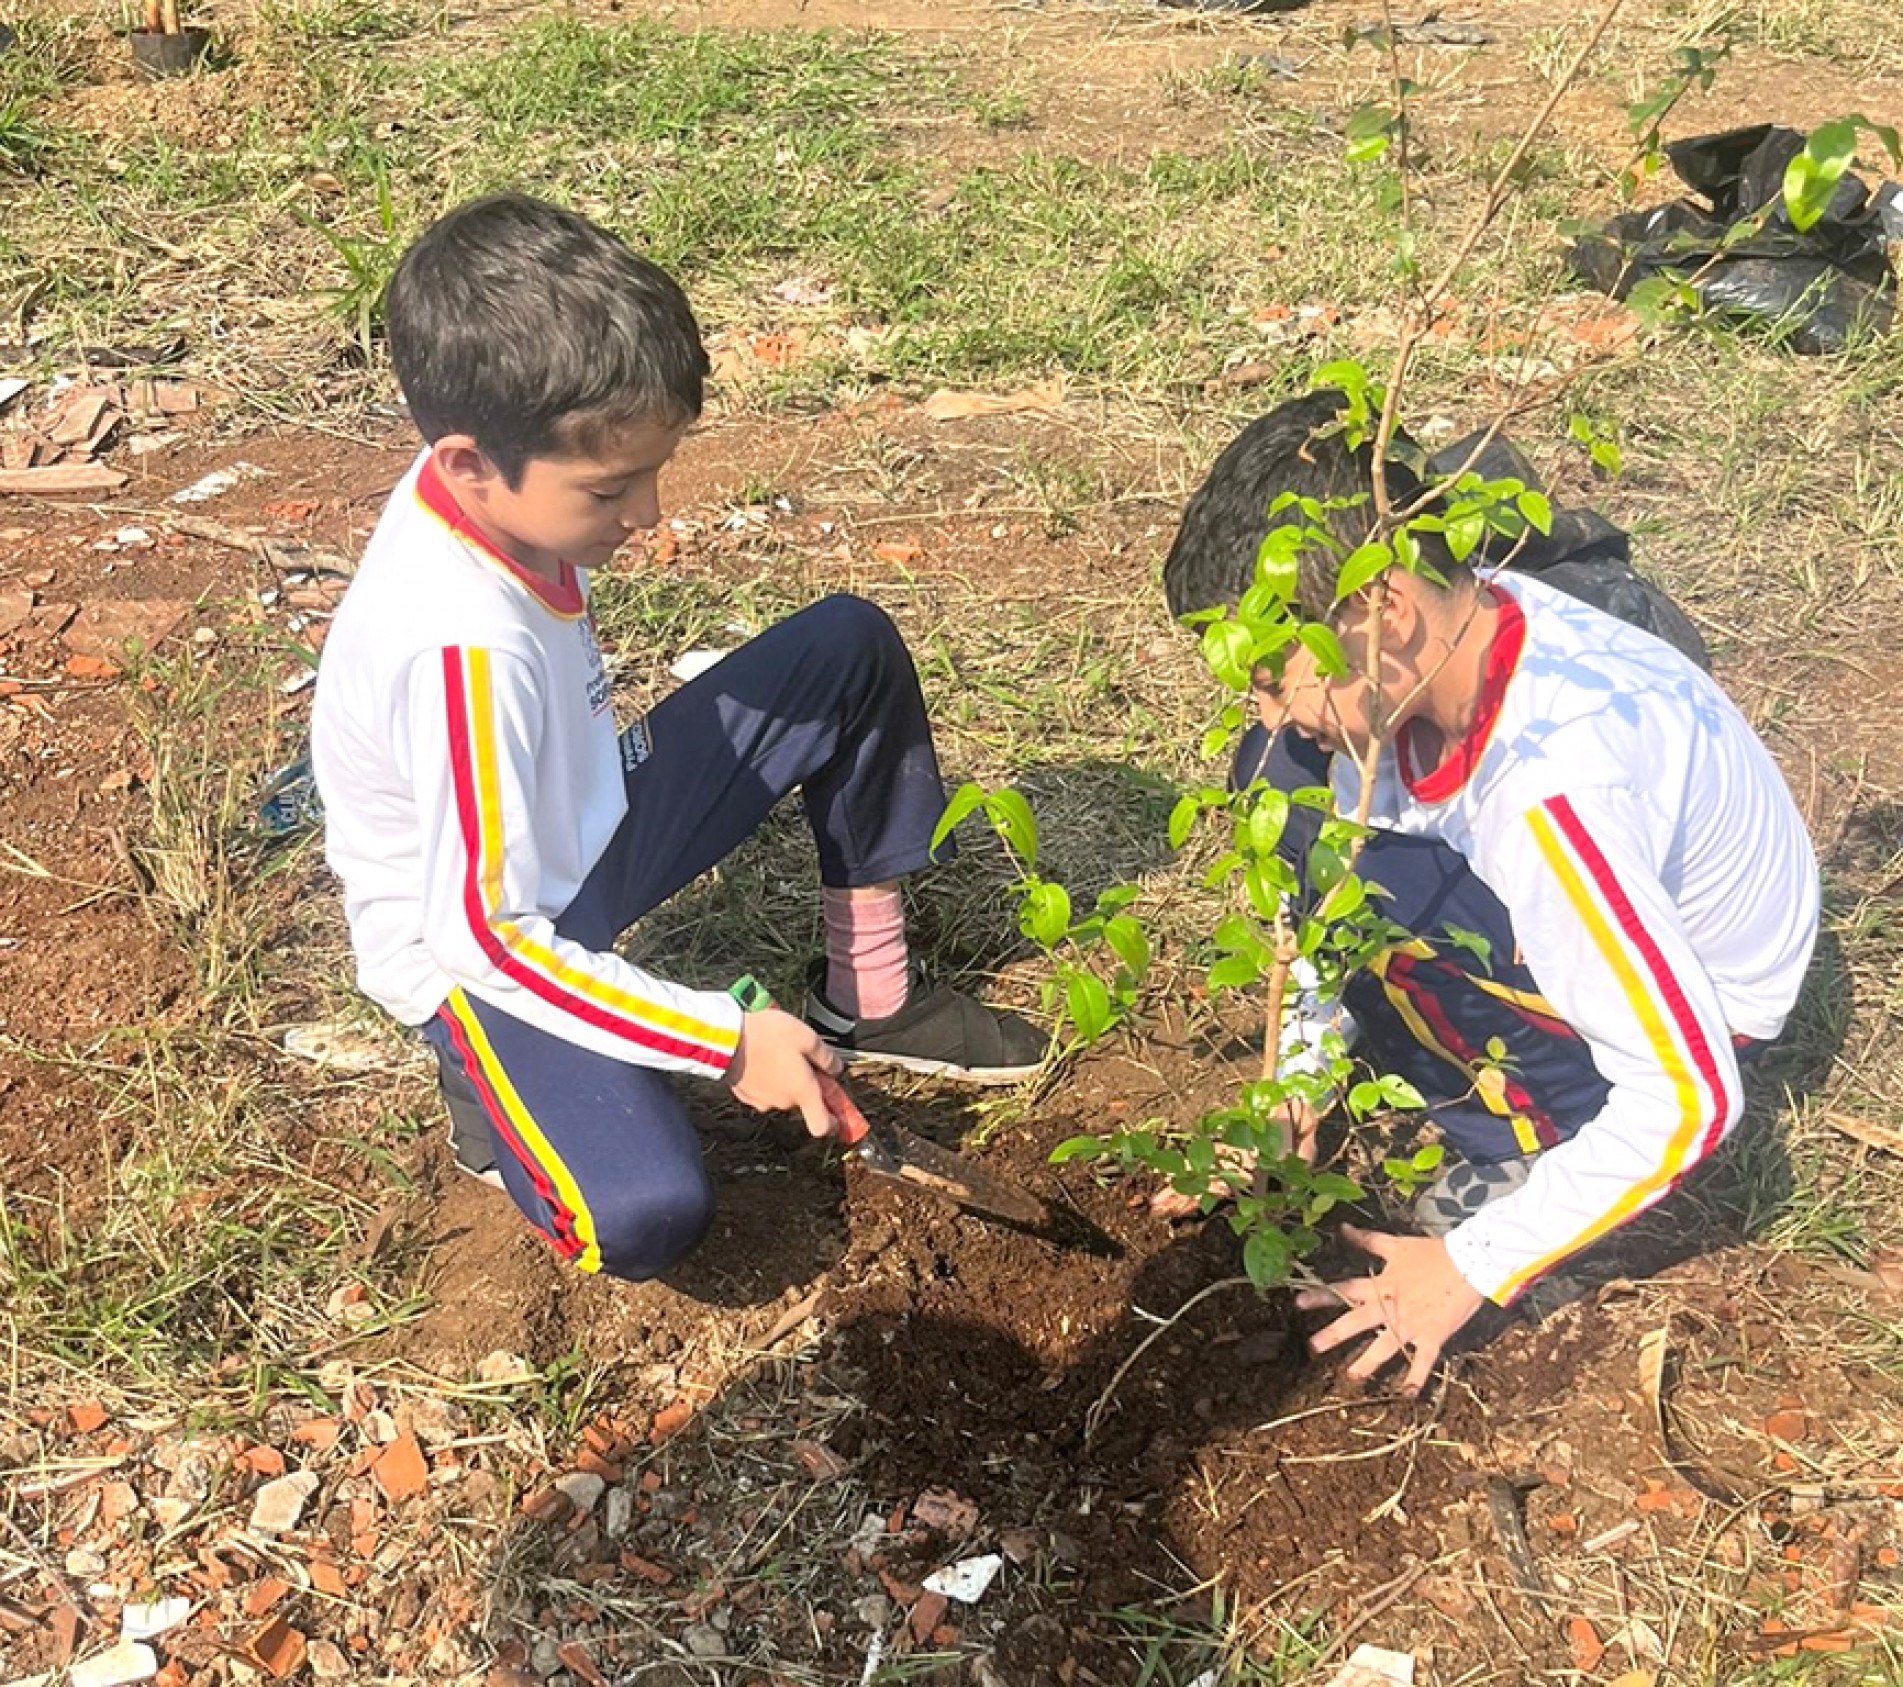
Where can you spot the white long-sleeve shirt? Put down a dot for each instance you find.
(1661, 886)
(465, 749)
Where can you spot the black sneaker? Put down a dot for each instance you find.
(938, 1031)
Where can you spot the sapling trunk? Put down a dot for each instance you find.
(154, 18)
(168, 17)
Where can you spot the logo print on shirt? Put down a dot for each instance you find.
(597, 669)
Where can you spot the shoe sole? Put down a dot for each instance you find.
(984, 1077)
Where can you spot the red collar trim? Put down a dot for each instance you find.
(1440, 783)
(564, 597)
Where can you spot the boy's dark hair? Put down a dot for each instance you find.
(533, 331)
(1297, 447)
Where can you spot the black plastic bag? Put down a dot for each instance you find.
(1817, 288)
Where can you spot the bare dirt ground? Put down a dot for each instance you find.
(747, 1474)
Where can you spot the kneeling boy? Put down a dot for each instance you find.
(1590, 803)
(495, 833)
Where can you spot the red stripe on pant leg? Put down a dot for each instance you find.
(561, 1231)
(1428, 1006)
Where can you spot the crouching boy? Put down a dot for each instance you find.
(1583, 800)
(493, 830)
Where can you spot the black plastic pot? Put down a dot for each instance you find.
(155, 56)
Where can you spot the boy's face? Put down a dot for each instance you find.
(579, 508)
(1336, 713)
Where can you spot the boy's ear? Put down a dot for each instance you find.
(459, 460)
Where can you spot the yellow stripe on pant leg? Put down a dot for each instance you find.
(522, 1121)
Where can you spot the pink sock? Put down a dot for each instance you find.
(868, 966)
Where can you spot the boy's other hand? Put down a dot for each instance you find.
(1413, 1307)
(777, 1065)
(1302, 1120)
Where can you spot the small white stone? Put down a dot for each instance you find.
(618, 1513)
(327, 1661)
(583, 1488)
(704, 1640)
(278, 1505)
(127, 1662)
(504, 1367)
(83, 1562)
(966, 1580)
(143, 1621)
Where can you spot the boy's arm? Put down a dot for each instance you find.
(1605, 941)
(473, 727)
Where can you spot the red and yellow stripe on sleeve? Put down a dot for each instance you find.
(1701, 1100)
(469, 696)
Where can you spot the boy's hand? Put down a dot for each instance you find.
(777, 1065)
(1301, 1118)
(1414, 1306)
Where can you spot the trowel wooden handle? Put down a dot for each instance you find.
(844, 1111)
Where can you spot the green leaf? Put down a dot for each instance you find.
(1183, 819)
(1089, 1004)
(1463, 534)
(1320, 642)
(1044, 914)
(1213, 741)
(1472, 941)
(1361, 567)
(1079, 1148)
(1538, 510)
(1812, 176)
(1398, 1092)
(1326, 867)
(1229, 649)
(1369, 134)
(1364, 1098)
(1221, 868)
(1234, 934)
(1267, 1256)
(1335, 1185)
(1661, 298)
(1429, 1158)
(1268, 818)
(1011, 814)
(1128, 943)
(1278, 563)
(966, 801)
(1346, 900)
(1883, 132)
(1234, 972)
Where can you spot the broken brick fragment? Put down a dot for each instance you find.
(669, 1421)
(575, 1658)
(262, 1595)
(401, 1471)
(646, 1569)
(1587, 1648)
(927, 1614)
(277, 1649)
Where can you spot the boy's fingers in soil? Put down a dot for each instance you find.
(1376, 1242)
(1167, 1203)
(1321, 1299)
(1364, 1313)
